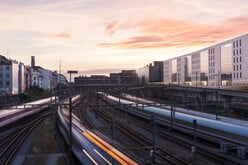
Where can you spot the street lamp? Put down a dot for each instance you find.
(70, 115)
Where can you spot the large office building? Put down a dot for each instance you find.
(223, 64)
(220, 65)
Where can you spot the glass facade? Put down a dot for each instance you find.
(174, 74)
(224, 76)
(187, 70)
(195, 69)
(204, 68)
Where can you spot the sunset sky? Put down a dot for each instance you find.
(103, 36)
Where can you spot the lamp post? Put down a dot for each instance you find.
(70, 115)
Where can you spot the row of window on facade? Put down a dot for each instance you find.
(237, 59)
(211, 51)
(238, 75)
(238, 43)
(211, 58)
(7, 75)
(237, 67)
(238, 51)
(7, 83)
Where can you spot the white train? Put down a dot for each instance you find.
(232, 128)
(11, 115)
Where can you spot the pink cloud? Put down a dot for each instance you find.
(111, 28)
(162, 33)
(57, 36)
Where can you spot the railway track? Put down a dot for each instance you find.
(144, 143)
(10, 143)
(144, 146)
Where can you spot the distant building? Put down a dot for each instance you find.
(124, 77)
(128, 77)
(61, 79)
(8, 75)
(143, 75)
(115, 78)
(36, 77)
(46, 78)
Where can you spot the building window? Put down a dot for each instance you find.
(213, 57)
(239, 42)
(240, 76)
(240, 67)
(234, 52)
(234, 60)
(237, 75)
(1, 83)
(7, 83)
(233, 75)
(240, 60)
(234, 67)
(233, 44)
(237, 67)
(7, 75)
(1, 75)
(237, 59)
(7, 68)
(213, 50)
(239, 50)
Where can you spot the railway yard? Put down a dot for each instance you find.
(150, 138)
(110, 127)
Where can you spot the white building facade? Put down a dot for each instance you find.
(9, 76)
(46, 78)
(220, 65)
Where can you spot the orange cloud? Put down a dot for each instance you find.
(57, 36)
(111, 28)
(163, 33)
